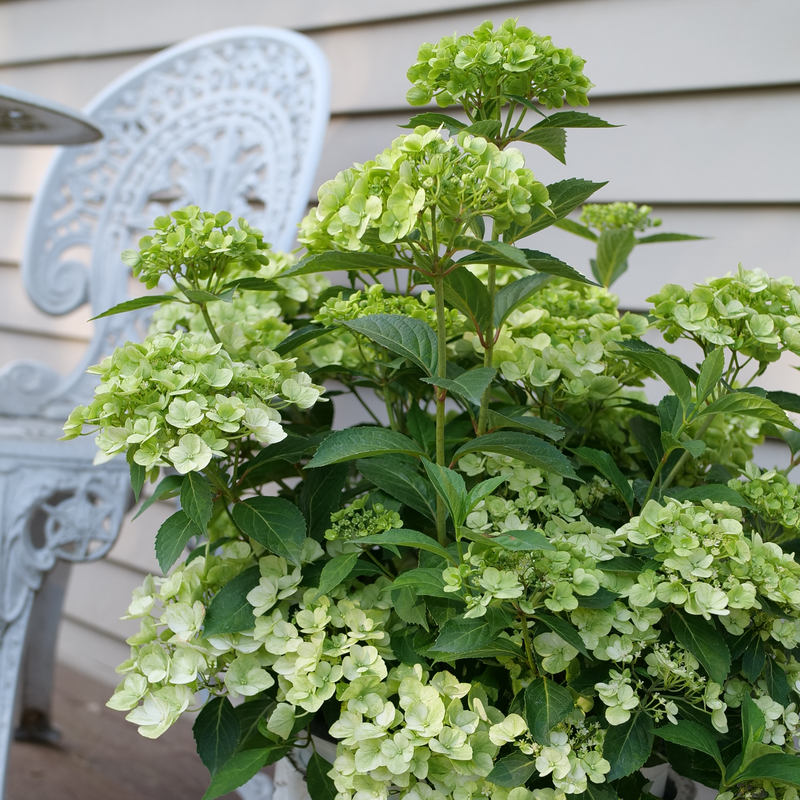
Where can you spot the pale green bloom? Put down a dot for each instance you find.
(245, 676)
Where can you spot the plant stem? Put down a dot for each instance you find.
(685, 454)
(441, 395)
(487, 353)
(211, 329)
(526, 637)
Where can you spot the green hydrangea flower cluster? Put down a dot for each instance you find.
(613, 216)
(749, 312)
(394, 194)
(359, 520)
(483, 68)
(179, 399)
(775, 500)
(192, 245)
(251, 320)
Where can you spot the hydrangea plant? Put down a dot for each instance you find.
(522, 579)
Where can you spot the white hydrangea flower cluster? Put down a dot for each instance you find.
(178, 399)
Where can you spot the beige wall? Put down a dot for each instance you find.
(708, 91)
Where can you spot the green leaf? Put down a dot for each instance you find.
(334, 260)
(753, 659)
(748, 405)
(520, 540)
(466, 293)
(621, 564)
(627, 746)
(421, 427)
(571, 226)
(515, 294)
(547, 703)
(320, 786)
(229, 611)
(411, 609)
(196, 499)
(253, 285)
(516, 417)
(498, 648)
(172, 538)
(402, 537)
(216, 732)
(320, 496)
(668, 237)
(666, 367)
(648, 435)
(335, 571)
(774, 767)
(460, 634)
(777, 683)
(433, 120)
(483, 489)
(541, 262)
(573, 119)
(451, 488)
(695, 447)
(137, 303)
(553, 140)
(785, 400)
(710, 373)
(408, 337)
(138, 475)
(401, 480)
(608, 468)
(469, 385)
(703, 641)
(565, 197)
(200, 297)
(355, 443)
(613, 249)
(602, 598)
(168, 487)
(523, 101)
(237, 771)
(512, 771)
(691, 735)
(523, 446)
(486, 128)
(274, 523)
(300, 337)
(425, 581)
(754, 723)
(565, 630)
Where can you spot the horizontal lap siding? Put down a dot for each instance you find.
(708, 92)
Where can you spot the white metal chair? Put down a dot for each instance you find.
(233, 120)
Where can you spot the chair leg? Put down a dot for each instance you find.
(36, 676)
(12, 644)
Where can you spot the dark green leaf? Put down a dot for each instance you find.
(774, 767)
(466, 293)
(541, 262)
(421, 427)
(512, 417)
(196, 499)
(627, 746)
(483, 489)
(300, 337)
(138, 475)
(521, 540)
(512, 771)
(703, 641)
(577, 228)
(487, 128)
(608, 468)
(553, 140)
(137, 303)
(566, 630)
(334, 260)
(409, 607)
(425, 581)
(450, 486)
(274, 523)
(613, 249)
(253, 285)
(401, 537)
(402, 481)
(523, 101)
(355, 443)
(201, 297)
(668, 237)
(321, 496)
(777, 683)
(469, 385)
(710, 373)
(648, 435)
(407, 337)
(754, 723)
(335, 571)
(666, 367)
(167, 487)
(565, 197)
(216, 732)
(515, 294)
(229, 611)
(523, 446)
(250, 714)
(753, 659)
(785, 400)
(748, 405)
(237, 771)
(621, 564)
(460, 635)
(602, 598)
(547, 703)
(320, 786)
(573, 119)
(499, 647)
(691, 735)
(172, 538)
(433, 120)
